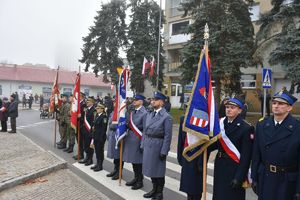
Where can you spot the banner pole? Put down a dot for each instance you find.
(55, 125)
(204, 174)
(121, 159)
(78, 139)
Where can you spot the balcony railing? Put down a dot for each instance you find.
(173, 67)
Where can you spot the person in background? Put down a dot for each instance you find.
(13, 113)
(41, 102)
(4, 114)
(30, 101)
(168, 105)
(181, 101)
(24, 101)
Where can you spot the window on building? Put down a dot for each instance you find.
(86, 91)
(47, 91)
(248, 81)
(255, 12)
(67, 91)
(99, 94)
(0, 89)
(179, 90)
(174, 6)
(180, 28)
(173, 90)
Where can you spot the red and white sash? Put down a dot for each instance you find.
(135, 129)
(86, 124)
(227, 145)
(232, 151)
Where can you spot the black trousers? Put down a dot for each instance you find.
(99, 149)
(13, 123)
(87, 138)
(137, 169)
(158, 181)
(4, 125)
(81, 142)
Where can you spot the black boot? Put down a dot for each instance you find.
(61, 146)
(99, 166)
(111, 174)
(152, 192)
(93, 167)
(89, 160)
(66, 149)
(83, 161)
(116, 176)
(159, 192)
(139, 184)
(132, 182)
(71, 147)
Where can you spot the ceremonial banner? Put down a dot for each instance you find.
(54, 99)
(152, 66)
(146, 66)
(75, 109)
(201, 119)
(121, 129)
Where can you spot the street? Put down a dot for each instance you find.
(41, 131)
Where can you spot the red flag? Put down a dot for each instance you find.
(116, 108)
(54, 99)
(146, 66)
(152, 66)
(75, 111)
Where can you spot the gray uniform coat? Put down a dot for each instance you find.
(131, 151)
(112, 152)
(156, 141)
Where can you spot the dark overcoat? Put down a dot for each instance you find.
(280, 147)
(156, 141)
(191, 172)
(226, 169)
(4, 114)
(100, 128)
(13, 109)
(132, 143)
(112, 152)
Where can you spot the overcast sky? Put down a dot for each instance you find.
(45, 31)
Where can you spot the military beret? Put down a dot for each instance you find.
(285, 97)
(159, 95)
(139, 97)
(236, 101)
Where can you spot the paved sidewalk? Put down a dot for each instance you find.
(29, 172)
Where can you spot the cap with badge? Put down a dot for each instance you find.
(236, 101)
(99, 105)
(139, 97)
(91, 99)
(285, 97)
(159, 96)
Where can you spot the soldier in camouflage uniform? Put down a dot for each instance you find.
(70, 131)
(63, 118)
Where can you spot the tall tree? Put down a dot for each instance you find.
(287, 51)
(108, 34)
(231, 41)
(143, 38)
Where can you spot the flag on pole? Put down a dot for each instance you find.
(152, 66)
(121, 129)
(146, 66)
(75, 107)
(201, 120)
(54, 99)
(116, 107)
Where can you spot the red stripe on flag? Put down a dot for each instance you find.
(197, 121)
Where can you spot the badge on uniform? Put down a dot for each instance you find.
(252, 136)
(105, 120)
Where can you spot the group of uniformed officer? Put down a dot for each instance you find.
(274, 149)
(146, 144)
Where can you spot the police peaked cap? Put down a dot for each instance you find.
(91, 98)
(99, 105)
(159, 95)
(139, 97)
(236, 101)
(285, 97)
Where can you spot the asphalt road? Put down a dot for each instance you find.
(41, 131)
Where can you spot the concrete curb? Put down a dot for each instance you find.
(42, 172)
(61, 164)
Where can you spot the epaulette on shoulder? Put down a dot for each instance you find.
(261, 119)
(247, 122)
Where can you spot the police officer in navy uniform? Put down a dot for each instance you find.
(191, 178)
(156, 141)
(112, 152)
(132, 142)
(229, 174)
(99, 136)
(276, 152)
(87, 134)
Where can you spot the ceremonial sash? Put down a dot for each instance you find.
(86, 124)
(232, 151)
(135, 129)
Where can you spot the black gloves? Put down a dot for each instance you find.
(254, 186)
(162, 157)
(297, 196)
(235, 184)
